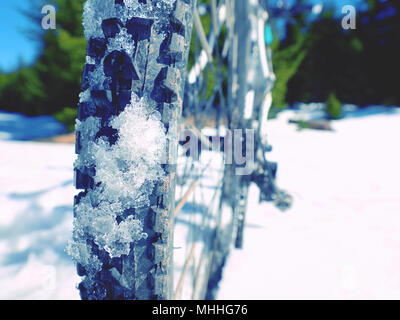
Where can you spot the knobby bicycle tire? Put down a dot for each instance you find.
(155, 71)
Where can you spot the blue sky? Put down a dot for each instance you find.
(14, 45)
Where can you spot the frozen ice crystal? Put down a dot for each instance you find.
(125, 175)
(97, 77)
(122, 42)
(118, 241)
(84, 96)
(81, 253)
(90, 60)
(152, 9)
(95, 11)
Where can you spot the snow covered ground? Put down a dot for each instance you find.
(341, 239)
(36, 221)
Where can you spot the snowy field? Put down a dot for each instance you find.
(341, 239)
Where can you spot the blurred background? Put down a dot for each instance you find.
(314, 58)
(338, 157)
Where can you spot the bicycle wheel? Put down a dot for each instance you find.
(128, 131)
(223, 70)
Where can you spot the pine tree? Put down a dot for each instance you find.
(52, 82)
